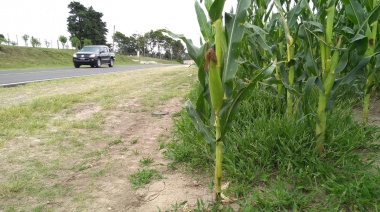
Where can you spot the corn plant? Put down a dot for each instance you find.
(217, 62)
(371, 74)
(289, 58)
(340, 50)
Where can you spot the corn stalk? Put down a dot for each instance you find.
(289, 58)
(217, 66)
(370, 69)
(328, 76)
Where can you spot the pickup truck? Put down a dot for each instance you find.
(94, 55)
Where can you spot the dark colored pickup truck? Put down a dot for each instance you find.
(94, 55)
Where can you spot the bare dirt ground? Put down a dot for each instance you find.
(114, 192)
(374, 112)
(101, 183)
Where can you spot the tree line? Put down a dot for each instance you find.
(34, 41)
(152, 44)
(86, 27)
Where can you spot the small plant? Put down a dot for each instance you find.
(162, 145)
(115, 142)
(96, 153)
(135, 152)
(143, 177)
(134, 141)
(146, 161)
(124, 149)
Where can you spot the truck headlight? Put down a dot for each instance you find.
(75, 55)
(92, 56)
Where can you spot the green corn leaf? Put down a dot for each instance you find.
(255, 29)
(359, 67)
(308, 87)
(202, 129)
(208, 4)
(216, 10)
(259, 33)
(319, 84)
(318, 26)
(348, 30)
(310, 64)
(197, 54)
(294, 13)
(235, 31)
(377, 62)
(375, 15)
(371, 17)
(342, 63)
(231, 108)
(359, 43)
(354, 11)
(204, 25)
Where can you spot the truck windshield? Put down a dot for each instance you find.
(90, 49)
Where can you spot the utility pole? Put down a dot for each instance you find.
(138, 51)
(113, 39)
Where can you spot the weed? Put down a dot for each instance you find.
(115, 142)
(98, 172)
(162, 145)
(134, 141)
(146, 161)
(96, 153)
(143, 177)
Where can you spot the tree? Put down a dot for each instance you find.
(2, 38)
(35, 42)
(47, 43)
(75, 42)
(25, 38)
(126, 45)
(178, 51)
(87, 42)
(63, 40)
(86, 23)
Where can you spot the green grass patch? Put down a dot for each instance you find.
(115, 142)
(272, 163)
(96, 153)
(146, 161)
(143, 177)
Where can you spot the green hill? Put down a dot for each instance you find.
(17, 57)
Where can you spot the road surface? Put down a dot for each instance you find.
(18, 77)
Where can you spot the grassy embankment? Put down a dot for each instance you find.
(17, 57)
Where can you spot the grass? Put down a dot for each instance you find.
(143, 177)
(48, 154)
(272, 163)
(18, 57)
(115, 142)
(146, 161)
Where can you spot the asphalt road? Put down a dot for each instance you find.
(18, 77)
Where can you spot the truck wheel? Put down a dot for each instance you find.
(98, 63)
(76, 65)
(110, 64)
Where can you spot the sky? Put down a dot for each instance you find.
(47, 19)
